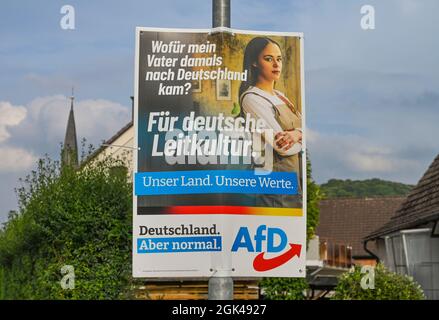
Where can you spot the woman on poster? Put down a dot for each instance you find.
(259, 98)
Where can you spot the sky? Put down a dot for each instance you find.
(372, 96)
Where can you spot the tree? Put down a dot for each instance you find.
(335, 188)
(68, 217)
(293, 288)
(314, 195)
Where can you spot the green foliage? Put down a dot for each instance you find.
(293, 288)
(388, 286)
(335, 188)
(314, 195)
(284, 288)
(67, 217)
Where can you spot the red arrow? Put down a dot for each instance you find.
(262, 264)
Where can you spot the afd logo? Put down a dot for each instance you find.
(276, 241)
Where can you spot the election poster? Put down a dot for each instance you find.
(220, 175)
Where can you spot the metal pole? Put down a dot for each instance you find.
(220, 286)
(221, 13)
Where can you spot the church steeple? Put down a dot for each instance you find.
(70, 149)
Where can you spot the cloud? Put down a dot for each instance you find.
(356, 157)
(15, 159)
(311, 135)
(12, 159)
(369, 123)
(377, 160)
(10, 116)
(38, 127)
(44, 127)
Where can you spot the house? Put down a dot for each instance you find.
(409, 242)
(119, 146)
(346, 221)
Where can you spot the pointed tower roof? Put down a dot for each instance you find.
(70, 150)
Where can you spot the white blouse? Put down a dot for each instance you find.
(259, 108)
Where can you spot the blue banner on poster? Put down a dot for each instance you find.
(180, 244)
(215, 181)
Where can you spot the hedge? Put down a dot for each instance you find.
(67, 217)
